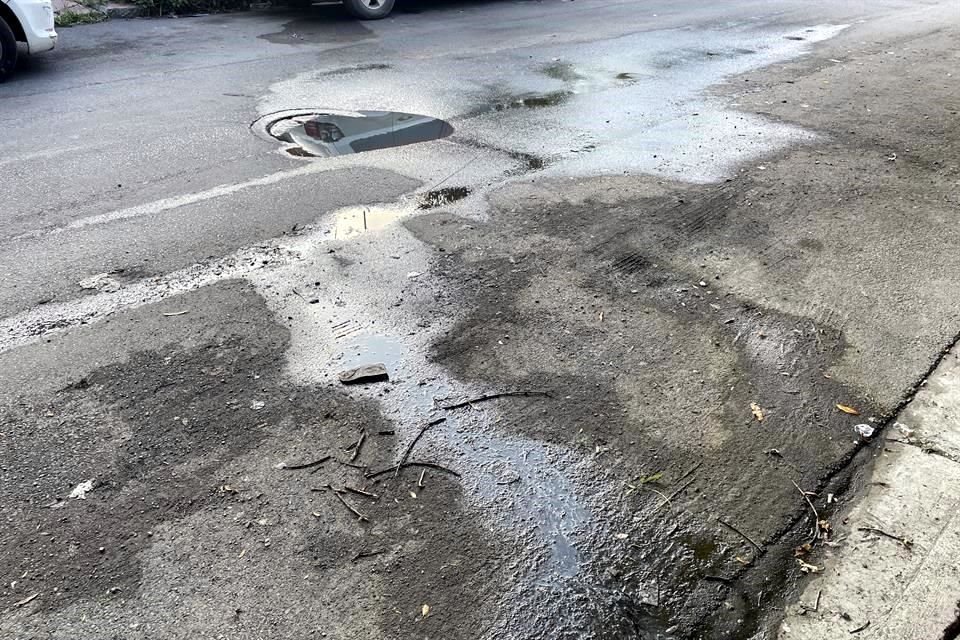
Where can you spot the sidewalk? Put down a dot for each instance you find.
(873, 585)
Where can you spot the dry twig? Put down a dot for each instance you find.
(492, 396)
(740, 533)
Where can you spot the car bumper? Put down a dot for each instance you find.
(36, 17)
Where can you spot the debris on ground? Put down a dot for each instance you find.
(367, 373)
(757, 411)
(864, 430)
(848, 409)
(81, 490)
(806, 567)
(102, 282)
(493, 396)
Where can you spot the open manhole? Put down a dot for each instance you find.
(315, 133)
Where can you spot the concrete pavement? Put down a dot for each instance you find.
(696, 228)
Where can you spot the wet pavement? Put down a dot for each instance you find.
(621, 265)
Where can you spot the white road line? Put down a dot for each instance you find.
(175, 202)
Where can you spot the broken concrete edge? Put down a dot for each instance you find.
(893, 569)
(849, 484)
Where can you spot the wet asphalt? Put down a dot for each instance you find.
(570, 201)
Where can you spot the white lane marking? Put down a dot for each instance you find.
(175, 202)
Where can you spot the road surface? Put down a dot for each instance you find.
(676, 236)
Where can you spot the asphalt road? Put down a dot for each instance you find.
(686, 231)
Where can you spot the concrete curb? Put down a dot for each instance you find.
(894, 574)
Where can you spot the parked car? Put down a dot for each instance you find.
(26, 21)
(369, 9)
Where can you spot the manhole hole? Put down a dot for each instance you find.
(316, 133)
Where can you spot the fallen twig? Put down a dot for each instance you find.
(816, 516)
(360, 492)
(359, 445)
(413, 443)
(176, 313)
(26, 600)
(691, 470)
(367, 554)
(860, 628)
(904, 541)
(349, 506)
(299, 295)
(676, 493)
(720, 579)
(492, 396)
(305, 465)
(740, 533)
(350, 464)
(420, 481)
(428, 465)
(385, 432)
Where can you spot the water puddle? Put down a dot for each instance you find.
(324, 134)
(355, 221)
(522, 101)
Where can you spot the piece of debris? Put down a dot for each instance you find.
(176, 313)
(907, 543)
(404, 465)
(740, 533)
(865, 430)
(653, 477)
(424, 611)
(816, 516)
(100, 282)
(860, 628)
(256, 405)
(26, 600)
(904, 429)
(492, 396)
(757, 411)
(423, 472)
(808, 568)
(367, 554)
(81, 490)
(413, 443)
(361, 492)
(367, 373)
(358, 445)
(802, 550)
(350, 507)
(303, 465)
(847, 409)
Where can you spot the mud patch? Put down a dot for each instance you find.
(186, 446)
(442, 197)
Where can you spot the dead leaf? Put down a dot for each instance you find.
(847, 409)
(824, 526)
(622, 536)
(802, 550)
(425, 611)
(757, 411)
(744, 561)
(413, 495)
(808, 568)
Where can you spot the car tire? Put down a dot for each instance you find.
(8, 51)
(369, 9)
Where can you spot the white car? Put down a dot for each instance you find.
(27, 21)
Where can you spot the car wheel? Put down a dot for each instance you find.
(369, 9)
(8, 51)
